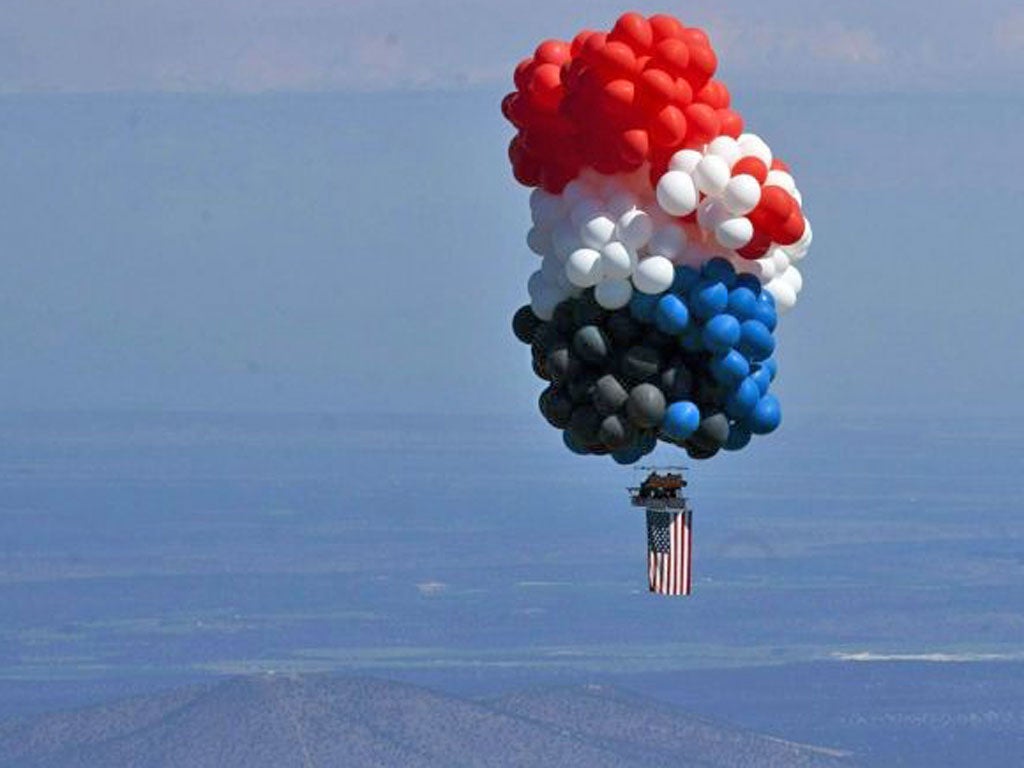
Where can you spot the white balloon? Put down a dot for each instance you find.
(727, 148)
(742, 194)
(545, 208)
(536, 284)
(613, 294)
(766, 268)
(538, 240)
(711, 175)
(635, 228)
(654, 275)
(596, 232)
(543, 305)
(734, 233)
(794, 278)
(669, 241)
(583, 268)
(551, 268)
(783, 293)
(585, 210)
(753, 145)
(711, 213)
(685, 160)
(575, 191)
(564, 239)
(620, 203)
(677, 193)
(617, 261)
(781, 179)
(798, 197)
(780, 258)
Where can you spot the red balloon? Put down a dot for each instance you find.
(775, 207)
(579, 41)
(668, 128)
(731, 122)
(546, 87)
(618, 97)
(703, 122)
(791, 230)
(633, 30)
(552, 52)
(751, 166)
(594, 42)
(703, 64)
(658, 86)
(665, 27)
(757, 247)
(779, 165)
(714, 94)
(684, 93)
(555, 177)
(615, 60)
(634, 146)
(521, 77)
(694, 36)
(673, 55)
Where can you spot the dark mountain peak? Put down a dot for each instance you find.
(280, 721)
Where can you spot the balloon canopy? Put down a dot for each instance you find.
(668, 239)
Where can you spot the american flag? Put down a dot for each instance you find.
(668, 551)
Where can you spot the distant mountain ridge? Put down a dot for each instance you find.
(276, 721)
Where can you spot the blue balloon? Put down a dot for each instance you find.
(761, 376)
(742, 303)
(756, 340)
(691, 339)
(572, 445)
(742, 400)
(671, 315)
(685, 279)
(749, 282)
(708, 298)
(766, 416)
(720, 270)
(730, 368)
(772, 365)
(642, 305)
(766, 310)
(648, 441)
(739, 437)
(681, 420)
(721, 333)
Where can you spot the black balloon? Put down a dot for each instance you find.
(646, 406)
(616, 432)
(581, 387)
(609, 395)
(590, 343)
(585, 425)
(640, 364)
(586, 311)
(676, 382)
(546, 337)
(556, 407)
(563, 318)
(622, 329)
(525, 324)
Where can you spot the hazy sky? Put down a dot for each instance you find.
(364, 251)
(256, 45)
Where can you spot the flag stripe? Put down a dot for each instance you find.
(669, 548)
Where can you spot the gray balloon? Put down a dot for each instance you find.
(616, 432)
(560, 363)
(712, 432)
(591, 344)
(640, 363)
(609, 395)
(646, 406)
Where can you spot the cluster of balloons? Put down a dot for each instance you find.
(649, 202)
(691, 366)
